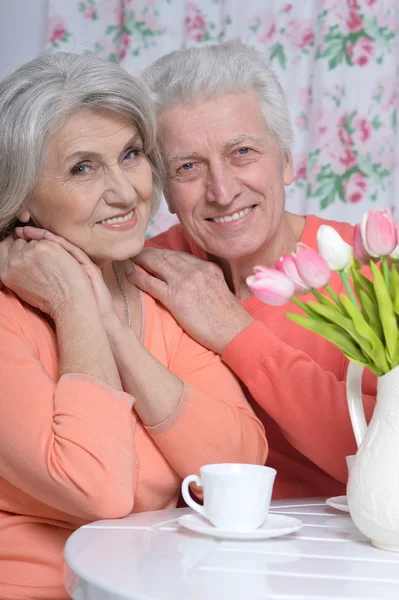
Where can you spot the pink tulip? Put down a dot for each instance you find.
(287, 265)
(312, 268)
(378, 232)
(359, 250)
(271, 286)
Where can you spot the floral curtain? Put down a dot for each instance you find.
(338, 61)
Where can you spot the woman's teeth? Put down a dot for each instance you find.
(118, 219)
(233, 217)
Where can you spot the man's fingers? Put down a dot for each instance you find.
(165, 263)
(147, 283)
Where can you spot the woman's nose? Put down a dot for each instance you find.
(120, 188)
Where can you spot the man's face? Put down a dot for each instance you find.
(226, 174)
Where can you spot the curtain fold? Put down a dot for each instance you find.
(337, 60)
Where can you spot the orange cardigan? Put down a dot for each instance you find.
(72, 450)
(296, 384)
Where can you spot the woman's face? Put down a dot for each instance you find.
(96, 186)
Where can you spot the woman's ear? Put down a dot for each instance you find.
(23, 216)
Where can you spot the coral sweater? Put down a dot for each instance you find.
(296, 384)
(72, 450)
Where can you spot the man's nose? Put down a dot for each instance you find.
(222, 185)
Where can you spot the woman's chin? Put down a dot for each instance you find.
(118, 256)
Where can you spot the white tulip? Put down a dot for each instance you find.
(335, 251)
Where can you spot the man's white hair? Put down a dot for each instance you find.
(193, 75)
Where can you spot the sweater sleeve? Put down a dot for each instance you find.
(307, 402)
(67, 443)
(213, 422)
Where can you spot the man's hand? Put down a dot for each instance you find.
(195, 292)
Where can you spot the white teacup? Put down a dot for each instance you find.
(236, 496)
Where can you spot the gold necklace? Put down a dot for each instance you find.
(120, 286)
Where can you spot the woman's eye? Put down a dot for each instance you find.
(80, 170)
(132, 153)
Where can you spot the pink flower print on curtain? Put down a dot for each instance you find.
(337, 60)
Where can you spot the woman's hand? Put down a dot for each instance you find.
(42, 273)
(101, 293)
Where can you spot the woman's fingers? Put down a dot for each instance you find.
(35, 233)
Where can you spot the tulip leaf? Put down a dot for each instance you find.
(362, 335)
(306, 309)
(362, 282)
(323, 299)
(395, 289)
(386, 311)
(370, 313)
(386, 275)
(333, 334)
(345, 323)
(395, 359)
(375, 347)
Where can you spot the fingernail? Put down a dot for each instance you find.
(19, 230)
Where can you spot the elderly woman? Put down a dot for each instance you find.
(225, 134)
(106, 403)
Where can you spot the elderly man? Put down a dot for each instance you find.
(225, 135)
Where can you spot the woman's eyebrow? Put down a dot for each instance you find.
(82, 154)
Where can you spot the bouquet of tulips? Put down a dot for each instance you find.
(363, 322)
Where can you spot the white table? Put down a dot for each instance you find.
(133, 558)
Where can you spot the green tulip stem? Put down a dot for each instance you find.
(299, 303)
(348, 287)
(385, 271)
(333, 294)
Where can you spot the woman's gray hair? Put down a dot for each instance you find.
(39, 96)
(197, 74)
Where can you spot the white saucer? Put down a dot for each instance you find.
(338, 502)
(274, 526)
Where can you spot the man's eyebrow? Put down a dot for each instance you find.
(230, 144)
(243, 138)
(182, 156)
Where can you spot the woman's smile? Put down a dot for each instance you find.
(120, 222)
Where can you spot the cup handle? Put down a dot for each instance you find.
(186, 493)
(355, 401)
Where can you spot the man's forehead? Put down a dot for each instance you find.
(225, 120)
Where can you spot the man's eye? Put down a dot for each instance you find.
(187, 166)
(243, 150)
(80, 170)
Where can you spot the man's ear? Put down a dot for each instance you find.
(288, 168)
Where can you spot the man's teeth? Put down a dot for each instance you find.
(118, 219)
(234, 217)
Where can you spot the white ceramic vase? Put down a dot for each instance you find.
(373, 485)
